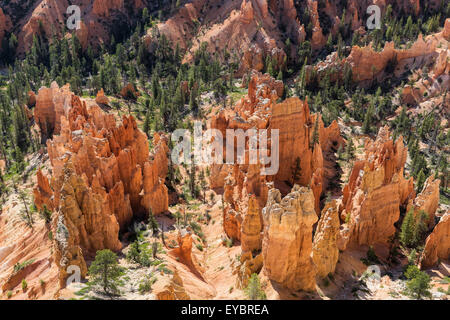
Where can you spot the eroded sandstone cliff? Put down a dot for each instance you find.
(325, 250)
(103, 176)
(287, 242)
(296, 127)
(437, 245)
(375, 191)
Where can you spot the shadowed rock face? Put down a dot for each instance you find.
(437, 245)
(103, 176)
(5, 24)
(375, 192)
(287, 242)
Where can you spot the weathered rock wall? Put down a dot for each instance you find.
(287, 242)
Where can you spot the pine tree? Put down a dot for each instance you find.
(152, 223)
(418, 284)
(420, 180)
(407, 229)
(280, 75)
(106, 272)
(329, 45)
(133, 254)
(349, 149)
(420, 227)
(368, 119)
(253, 291)
(269, 67)
(296, 169)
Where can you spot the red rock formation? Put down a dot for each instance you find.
(155, 195)
(47, 17)
(375, 192)
(32, 247)
(101, 98)
(437, 245)
(45, 14)
(43, 193)
(446, 31)
(174, 290)
(367, 63)
(251, 227)
(102, 7)
(245, 26)
(296, 126)
(102, 176)
(31, 99)
(129, 91)
(51, 104)
(2, 26)
(287, 242)
(248, 266)
(427, 200)
(325, 250)
(318, 39)
(184, 250)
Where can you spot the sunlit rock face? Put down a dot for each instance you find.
(325, 250)
(103, 176)
(437, 244)
(296, 126)
(287, 241)
(375, 191)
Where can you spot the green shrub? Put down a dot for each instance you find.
(418, 284)
(20, 265)
(446, 280)
(229, 242)
(24, 285)
(371, 257)
(46, 214)
(253, 291)
(146, 285)
(140, 253)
